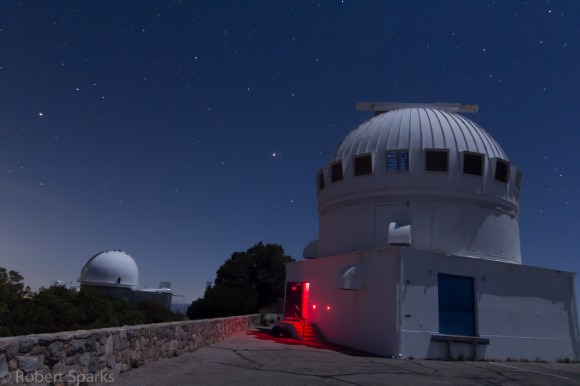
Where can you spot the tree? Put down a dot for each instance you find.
(54, 309)
(12, 289)
(97, 310)
(156, 313)
(223, 300)
(245, 283)
(13, 295)
(58, 308)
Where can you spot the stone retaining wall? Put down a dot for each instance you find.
(84, 357)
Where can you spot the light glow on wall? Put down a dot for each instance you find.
(305, 296)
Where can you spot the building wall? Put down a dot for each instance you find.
(133, 296)
(162, 298)
(364, 318)
(449, 223)
(104, 353)
(125, 294)
(525, 312)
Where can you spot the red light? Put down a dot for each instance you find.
(305, 298)
(293, 288)
(314, 306)
(327, 308)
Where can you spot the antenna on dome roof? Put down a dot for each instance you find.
(383, 107)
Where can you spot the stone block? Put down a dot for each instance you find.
(10, 346)
(85, 360)
(75, 346)
(91, 344)
(46, 339)
(26, 344)
(54, 353)
(3, 366)
(37, 350)
(28, 364)
(109, 346)
(111, 361)
(94, 365)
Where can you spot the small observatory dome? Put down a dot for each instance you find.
(420, 176)
(110, 269)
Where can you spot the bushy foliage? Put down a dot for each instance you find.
(62, 309)
(223, 300)
(155, 313)
(245, 283)
(12, 289)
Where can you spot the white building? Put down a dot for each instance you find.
(115, 273)
(418, 253)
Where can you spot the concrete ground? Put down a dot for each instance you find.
(256, 358)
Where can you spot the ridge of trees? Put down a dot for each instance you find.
(247, 282)
(58, 308)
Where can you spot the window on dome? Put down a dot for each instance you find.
(502, 170)
(397, 160)
(473, 164)
(363, 165)
(436, 160)
(321, 180)
(336, 171)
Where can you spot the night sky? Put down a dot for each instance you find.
(184, 131)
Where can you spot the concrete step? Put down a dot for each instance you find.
(307, 331)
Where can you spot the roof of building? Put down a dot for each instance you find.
(420, 128)
(113, 268)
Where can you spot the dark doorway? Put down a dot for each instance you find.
(296, 304)
(456, 305)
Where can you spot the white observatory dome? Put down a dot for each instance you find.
(110, 269)
(421, 177)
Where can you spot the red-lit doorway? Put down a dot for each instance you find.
(296, 304)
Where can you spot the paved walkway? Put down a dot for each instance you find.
(257, 358)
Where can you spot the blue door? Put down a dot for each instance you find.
(456, 305)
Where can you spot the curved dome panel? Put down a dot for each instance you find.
(418, 128)
(110, 268)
